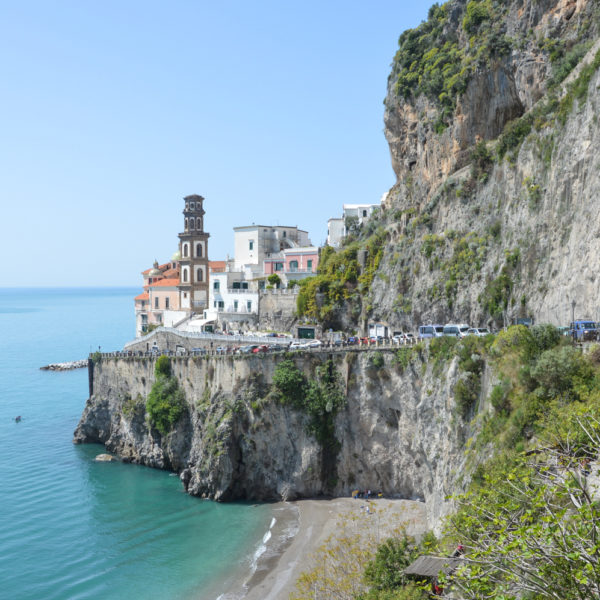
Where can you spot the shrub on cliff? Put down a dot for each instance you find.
(166, 402)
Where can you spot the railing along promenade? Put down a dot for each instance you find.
(384, 345)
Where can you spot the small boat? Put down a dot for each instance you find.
(18, 419)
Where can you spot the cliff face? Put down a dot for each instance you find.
(507, 228)
(399, 431)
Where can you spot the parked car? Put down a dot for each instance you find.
(426, 332)
(247, 349)
(410, 338)
(198, 351)
(315, 344)
(259, 349)
(479, 331)
(296, 345)
(456, 330)
(352, 341)
(584, 330)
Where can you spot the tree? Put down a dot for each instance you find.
(274, 279)
(534, 530)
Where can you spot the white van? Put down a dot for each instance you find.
(460, 330)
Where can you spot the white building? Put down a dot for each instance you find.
(336, 232)
(353, 215)
(254, 243)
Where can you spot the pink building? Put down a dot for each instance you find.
(293, 263)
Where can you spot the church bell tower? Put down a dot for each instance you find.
(193, 246)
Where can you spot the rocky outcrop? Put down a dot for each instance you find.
(68, 366)
(399, 431)
(515, 234)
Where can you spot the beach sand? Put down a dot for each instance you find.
(281, 565)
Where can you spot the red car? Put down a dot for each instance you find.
(262, 348)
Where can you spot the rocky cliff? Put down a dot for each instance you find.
(398, 432)
(491, 119)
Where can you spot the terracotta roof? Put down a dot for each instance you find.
(217, 265)
(143, 296)
(165, 283)
(171, 273)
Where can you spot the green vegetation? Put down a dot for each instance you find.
(431, 62)
(498, 292)
(528, 521)
(166, 402)
(376, 360)
(321, 398)
(340, 277)
(274, 279)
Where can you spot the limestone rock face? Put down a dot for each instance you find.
(399, 431)
(451, 228)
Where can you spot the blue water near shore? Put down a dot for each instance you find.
(71, 528)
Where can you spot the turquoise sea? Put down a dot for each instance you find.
(71, 528)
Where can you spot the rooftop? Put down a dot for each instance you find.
(165, 283)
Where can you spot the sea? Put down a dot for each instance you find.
(72, 528)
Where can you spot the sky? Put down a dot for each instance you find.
(111, 112)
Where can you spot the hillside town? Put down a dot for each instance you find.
(192, 293)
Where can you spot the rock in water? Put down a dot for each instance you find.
(105, 458)
(67, 366)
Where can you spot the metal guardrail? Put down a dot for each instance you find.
(328, 348)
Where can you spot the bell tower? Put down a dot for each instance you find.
(193, 246)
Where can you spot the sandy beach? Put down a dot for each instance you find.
(279, 567)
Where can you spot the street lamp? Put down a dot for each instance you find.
(573, 304)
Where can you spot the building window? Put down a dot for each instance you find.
(235, 305)
(221, 304)
(185, 275)
(156, 302)
(216, 286)
(198, 250)
(236, 285)
(279, 266)
(251, 245)
(285, 234)
(199, 224)
(192, 221)
(309, 265)
(199, 275)
(249, 305)
(293, 266)
(192, 206)
(244, 285)
(364, 213)
(185, 294)
(167, 303)
(186, 224)
(185, 250)
(261, 284)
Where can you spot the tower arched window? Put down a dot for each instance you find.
(199, 275)
(198, 250)
(198, 223)
(186, 224)
(184, 275)
(192, 206)
(192, 222)
(185, 250)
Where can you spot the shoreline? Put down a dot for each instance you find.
(300, 528)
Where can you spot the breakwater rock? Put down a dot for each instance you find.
(66, 366)
(399, 431)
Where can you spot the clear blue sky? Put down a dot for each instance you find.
(113, 111)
